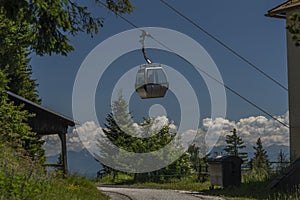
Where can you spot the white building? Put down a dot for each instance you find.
(284, 11)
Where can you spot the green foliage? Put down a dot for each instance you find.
(188, 183)
(45, 26)
(234, 146)
(13, 59)
(21, 178)
(260, 162)
(249, 190)
(119, 179)
(282, 161)
(198, 160)
(285, 195)
(42, 27)
(293, 27)
(15, 75)
(254, 187)
(13, 127)
(180, 168)
(193, 150)
(19, 73)
(120, 131)
(70, 187)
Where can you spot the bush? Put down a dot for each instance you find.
(20, 177)
(23, 178)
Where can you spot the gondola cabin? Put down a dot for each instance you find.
(151, 81)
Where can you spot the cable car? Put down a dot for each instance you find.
(151, 81)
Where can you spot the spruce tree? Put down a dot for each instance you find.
(234, 146)
(260, 162)
(193, 150)
(14, 130)
(198, 159)
(282, 161)
(47, 26)
(14, 61)
(16, 77)
(41, 27)
(120, 131)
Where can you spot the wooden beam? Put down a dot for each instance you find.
(63, 140)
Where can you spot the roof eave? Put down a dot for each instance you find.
(279, 16)
(281, 10)
(71, 122)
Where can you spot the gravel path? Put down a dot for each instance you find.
(151, 194)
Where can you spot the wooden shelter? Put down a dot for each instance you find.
(46, 122)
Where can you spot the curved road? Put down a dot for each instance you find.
(151, 194)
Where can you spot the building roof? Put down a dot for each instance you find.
(281, 10)
(38, 109)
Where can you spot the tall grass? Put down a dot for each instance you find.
(21, 178)
(285, 196)
(71, 187)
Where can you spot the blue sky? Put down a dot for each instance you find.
(240, 24)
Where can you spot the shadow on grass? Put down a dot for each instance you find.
(252, 190)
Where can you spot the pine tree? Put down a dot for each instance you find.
(193, 150)
(234, 146)
(41, 27)
(198, 159)
(47, 26)
(16, 77)
(18, 72)
(282, 161)
(260, 162)
(14, 130)
(120, 132)
(14, 61)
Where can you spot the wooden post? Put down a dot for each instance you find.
(63, 140)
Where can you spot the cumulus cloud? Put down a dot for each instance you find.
(88, 134)
(154, 126)
(84, 136)
(51, 145)
(250, 129)
(270, 131)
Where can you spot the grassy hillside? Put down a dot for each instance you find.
(21, 178)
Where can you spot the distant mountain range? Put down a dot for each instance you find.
(273, 151)
(83, 163)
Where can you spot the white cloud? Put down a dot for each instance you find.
(52, 145)
(250, 129)
(89, 134)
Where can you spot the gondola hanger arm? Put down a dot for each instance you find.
(142, 41)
